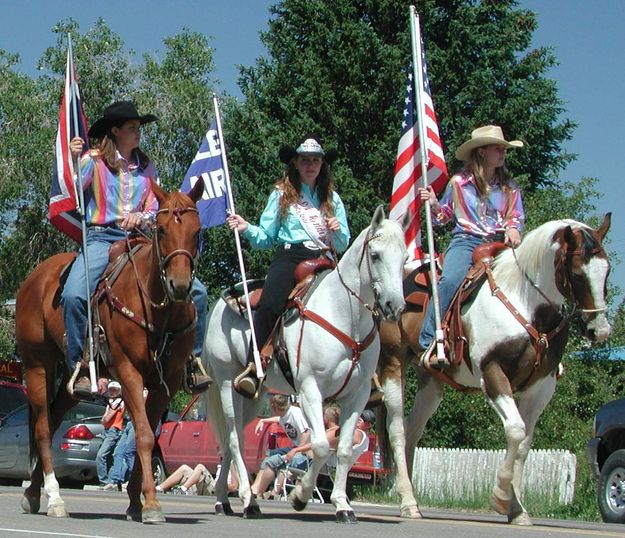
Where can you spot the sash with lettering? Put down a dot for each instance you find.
(313, 223)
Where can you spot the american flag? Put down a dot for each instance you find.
(408, 163)
(62, 209)
(208, 164)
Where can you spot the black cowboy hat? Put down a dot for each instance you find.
(115, 115)
(309, 145)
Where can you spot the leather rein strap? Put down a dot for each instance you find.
(540, 340)
(356, 347)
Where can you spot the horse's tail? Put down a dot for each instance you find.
(381, 431)
(215, 411)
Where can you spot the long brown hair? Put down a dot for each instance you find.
(475, 166)
(291, 186)
(106, 149)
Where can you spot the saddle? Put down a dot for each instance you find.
(308, 275)
(416, 290)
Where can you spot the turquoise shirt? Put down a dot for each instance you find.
(272, 230)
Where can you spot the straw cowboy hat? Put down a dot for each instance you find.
(484, 136)
(310, 145)
(115, 115)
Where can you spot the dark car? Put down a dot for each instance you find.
(191, 440)
(74, 445)
(12, 396)
(606, 455)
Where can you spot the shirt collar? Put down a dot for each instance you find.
(126, 165)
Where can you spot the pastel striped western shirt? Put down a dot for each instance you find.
(480, 216)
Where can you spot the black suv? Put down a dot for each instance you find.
(606, 455)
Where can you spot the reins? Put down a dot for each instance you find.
(357, 347)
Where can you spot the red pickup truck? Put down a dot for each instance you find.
(191, 440)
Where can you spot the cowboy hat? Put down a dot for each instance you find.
(310, 145)
(484, 136)
(115, 115)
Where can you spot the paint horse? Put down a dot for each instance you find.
(149, 322)
(516, 329)
(333, 349)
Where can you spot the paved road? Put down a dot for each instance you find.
(96, 514)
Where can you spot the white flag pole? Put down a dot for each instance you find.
(260, 373)
(415, 36)
(82, 210)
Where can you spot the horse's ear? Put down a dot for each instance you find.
(378, 217)
(160, 194)
(198, 190)
(605, 226)
(569, 238)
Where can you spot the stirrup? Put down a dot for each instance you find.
(246, 383)
(429, 361)
(195, 380)
(79, 387)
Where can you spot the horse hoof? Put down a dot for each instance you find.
(410, 512)
(30, 505)
(133, 515)
(522, 519)
(57, 510)
(252, 512)
(152, 515)
(223, 509)
(297, 503)
(346, 516)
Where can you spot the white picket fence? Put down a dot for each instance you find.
(445, 474)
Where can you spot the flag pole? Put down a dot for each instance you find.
(81, 209)
(415, 37)
(260, 373)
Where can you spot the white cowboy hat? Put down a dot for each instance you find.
(484, 136)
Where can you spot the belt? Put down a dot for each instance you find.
(301, 246)
(101, 228)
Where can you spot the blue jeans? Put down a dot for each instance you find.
(278, 461)
(457, 262)
(74, 294)
(109, 441)
(124, 455)
(200, 300)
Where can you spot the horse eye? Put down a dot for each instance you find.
(161, 230)
(375, 256)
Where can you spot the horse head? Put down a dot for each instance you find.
(176, 237)
(386, 255)
(582, 269)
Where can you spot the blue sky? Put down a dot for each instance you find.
(587, 37)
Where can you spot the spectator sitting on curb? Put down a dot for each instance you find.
(197, 481)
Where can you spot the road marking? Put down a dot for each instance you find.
(46, 533)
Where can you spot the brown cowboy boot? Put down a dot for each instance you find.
(79, 384)
(196, 380)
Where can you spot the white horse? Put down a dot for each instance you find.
(368, 276)
(510, 354)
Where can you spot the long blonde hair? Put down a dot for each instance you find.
(475, 166)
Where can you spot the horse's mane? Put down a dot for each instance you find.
(535, 257)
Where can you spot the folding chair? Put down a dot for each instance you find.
(292, 476)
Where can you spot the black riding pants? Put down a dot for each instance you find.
(278, 284)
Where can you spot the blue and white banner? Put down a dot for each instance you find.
(208, 164)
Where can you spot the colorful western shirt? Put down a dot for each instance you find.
(274, 230)
(113, 196)
(480, 216)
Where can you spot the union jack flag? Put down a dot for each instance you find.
(408, 176)
(208, 164)
(62, 209)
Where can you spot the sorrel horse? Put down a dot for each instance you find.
(323, 364)
(561, 262)
(149, 322)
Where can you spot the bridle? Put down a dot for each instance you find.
(164, 260)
